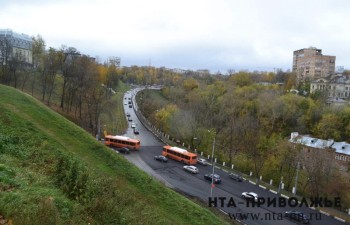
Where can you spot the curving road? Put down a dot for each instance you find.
(173, 175)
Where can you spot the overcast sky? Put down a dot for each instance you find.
(206, 34)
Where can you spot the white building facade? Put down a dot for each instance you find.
(21, 45)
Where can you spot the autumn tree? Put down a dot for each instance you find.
(241, 79)
(5, 57)
(163, 116)
(270, 111)
(290, 81)
(68, 69)
(86, 77)
(329, 127)
(319, 171)
(50, 67)
(14, 65)
(38, 52)
(111, 80)
(190, 84)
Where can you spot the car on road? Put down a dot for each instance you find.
(250, 196)
(236, 177)
(124, 150)
(130, 106)
(133, 125)
(203, 162)
(129, 119)
(136, 131)
(161, 158)
(128, 114)
(215, 178)
(191, 169)
(298, 216)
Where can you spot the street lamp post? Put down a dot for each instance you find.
(296, 179)
(212, 162)
(194, 144)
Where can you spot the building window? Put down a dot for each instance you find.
(336, 156)
(342, 157)
(347, 158)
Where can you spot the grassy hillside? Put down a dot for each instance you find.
(52, 172)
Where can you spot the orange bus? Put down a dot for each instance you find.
(180, 154)
(121, 141)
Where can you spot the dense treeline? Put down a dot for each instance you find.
(253, 116)
(66, 79)
(76, 84)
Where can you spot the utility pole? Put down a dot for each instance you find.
(212, 162)
(296, 179)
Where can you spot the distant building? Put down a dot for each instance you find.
(336, 88)
(339, 69)
(339, 152)
(21, 45)
(309, 63)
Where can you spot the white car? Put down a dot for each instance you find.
(191, 169)
(133, 125)
(250, 196)
(202, 162)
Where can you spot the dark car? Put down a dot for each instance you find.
(130, 106)
(123, 150)
(128, 114)
(298, 216)
(136, 131)
(216, 178)
(236, 177)
(161, 158)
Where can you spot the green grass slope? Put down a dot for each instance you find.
(53, 172)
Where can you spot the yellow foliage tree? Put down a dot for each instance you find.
(162, 117)
(190, 84)
(102, 73)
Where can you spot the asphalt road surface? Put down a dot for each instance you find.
(173, 176)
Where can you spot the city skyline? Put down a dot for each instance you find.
(218, 36)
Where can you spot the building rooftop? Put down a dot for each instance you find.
(10, 33)
(17, 40)
(342, 147)
(307, 140)
(311, 141)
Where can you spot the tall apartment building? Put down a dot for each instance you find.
(310, 63)
(21, 45)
